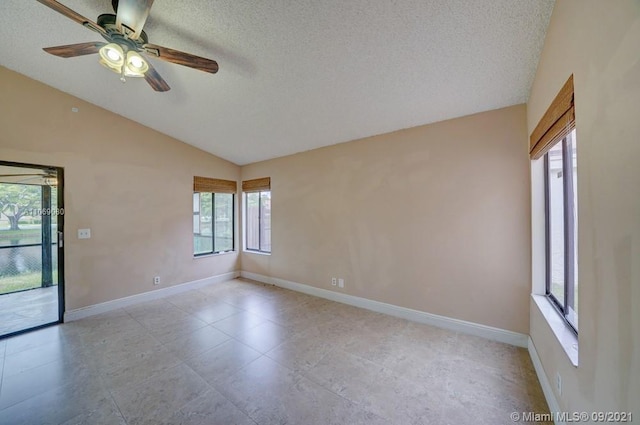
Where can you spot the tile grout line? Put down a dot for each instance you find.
(321, 385)
(233, 374)
(115, 402)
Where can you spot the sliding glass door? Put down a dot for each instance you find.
(31, 247)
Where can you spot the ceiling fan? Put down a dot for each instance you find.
(125, 40)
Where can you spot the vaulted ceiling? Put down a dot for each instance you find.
(296, 75)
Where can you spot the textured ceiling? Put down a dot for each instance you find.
(296, 75)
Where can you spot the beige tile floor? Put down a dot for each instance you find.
(245, 353)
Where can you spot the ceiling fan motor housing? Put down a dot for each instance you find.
(108, 22)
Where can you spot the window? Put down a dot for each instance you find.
(213, 216)
(554, 139)
(257, 202)
(561, 227)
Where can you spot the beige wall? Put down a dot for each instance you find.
(131, 185)
(433, 218)
(597, 41)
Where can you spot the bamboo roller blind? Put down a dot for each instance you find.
(556, 123)
(257, 185)
(206, 184)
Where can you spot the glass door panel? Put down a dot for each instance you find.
(30, 295)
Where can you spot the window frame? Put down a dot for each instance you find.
(213, 223)
(564, 308)
(260, 222)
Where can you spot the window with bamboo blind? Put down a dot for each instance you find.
(213, 215)
(257, 213)
(556, 123)
(257, 185)
(206, 184)
(554, 140)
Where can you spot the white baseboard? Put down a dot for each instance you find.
(496, 334)
(104, 307)
(554, 407)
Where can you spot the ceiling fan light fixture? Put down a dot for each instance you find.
(135, 66)
(113, 55)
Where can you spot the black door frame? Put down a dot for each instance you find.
(60, 240)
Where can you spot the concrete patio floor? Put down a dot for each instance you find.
(28, 309)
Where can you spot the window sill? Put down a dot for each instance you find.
(256, 252)
(563, 333)
(195, 257)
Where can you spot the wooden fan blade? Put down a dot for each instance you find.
(73, 50)
(155, 80)
(64, 10)
(182, 58)
(133, 14)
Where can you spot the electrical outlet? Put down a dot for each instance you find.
(334, 281)
(84, 233)
(559, 383)
(156, 280)
(341, 283)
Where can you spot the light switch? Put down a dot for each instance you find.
(84, 233)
